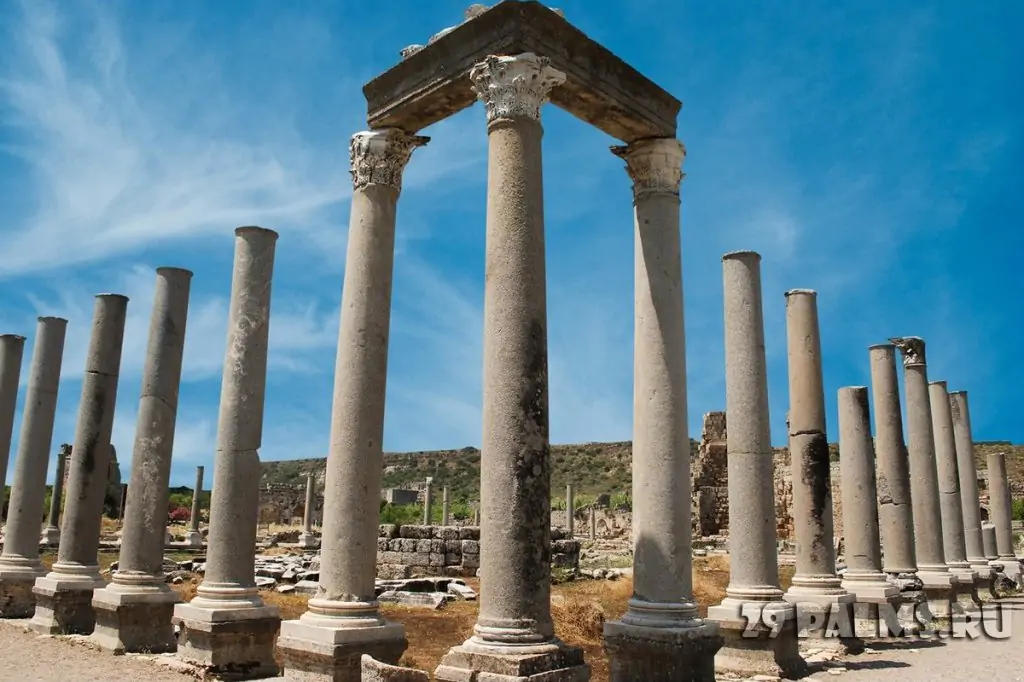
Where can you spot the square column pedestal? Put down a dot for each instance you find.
(308, 541)
(671, 654)
(50, 536)
(876, 611)
(825, 616)
(965, 588)
(194, 538)
(317, 648)
(135, 618)
(64, 600)
(228, 639)
(553, 661)
(939, 589)
(16, 582)
(759, 638)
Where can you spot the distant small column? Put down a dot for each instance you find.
(12, 348)
(427, 495)
(476, 516)
(51, 533)
(64, 596)
(133, 612)
(970, 501)
(924, 484)
(19, 563)
(1001, 513)
(988, 537)
(307, 539)
(227, 602)
(194, 537)
(446, 506)
(753, 594)
(570, 510)
(953, 544)
(122, 504)
(593, 524)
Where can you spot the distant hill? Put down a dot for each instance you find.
(593, 468)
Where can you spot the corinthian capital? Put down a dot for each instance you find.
(655, 165)
(912, 349)
(513, 87)
(379, 156)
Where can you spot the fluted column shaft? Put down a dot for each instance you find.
(197, 492)
(53, 521)
(12, 347)
(953, 544)
(142, 538)
(967, 470)
(895, 508)
(1000, 505)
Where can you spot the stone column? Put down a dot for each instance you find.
(427, 495)
(227, 626)
(51, 533)
(343, 621)
(306, 538)
(19, 563)
(864, 577)
(194, 537)
(753, 594)
(64, 596)
(815, 584)
(970, 501)
(12, 347)
(133, 612)
(514, 635)
(1001, 513)
(570, 517)
(988, 537)
(924, 485)
(446, 506)
(593, 524)
(660, 637)
(953, 544)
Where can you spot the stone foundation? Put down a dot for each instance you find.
(134, 623)
(238, 645)
(555, 662)
(316, 654)
(641, 654)
(62, 608)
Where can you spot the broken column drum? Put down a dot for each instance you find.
(753, 594)
(51, 533)
(12, 347)
(194, 538)
(343, 620)
(64, 596)
(227, 627)
(19, 562)
(133, 612)
(970, 501)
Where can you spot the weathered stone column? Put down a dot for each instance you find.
(427, 499)
(64, 596)
(753, 594)
(306, 538)
(593, 524)
(570, 512)
(19, 563)
(988, 538)
(864, 578)
(924, 485)
(343, 621)
(194, 537)
(51, 533)
(970, 501)
(514, 635)
(815, 588)
(953, 544)
(660, 637)
(446, 506)
(133, 612)
(227, 627)
(1001, 513)
(12, 347)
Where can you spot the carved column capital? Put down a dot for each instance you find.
(655, 165)
(379, 156)
(514, 87)
(911, 348)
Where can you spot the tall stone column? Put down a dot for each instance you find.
(970, 501)
(446, 506)
(593, 524)
(64, 596)
(753, 594)
(427, 499)
(1001, 513)
(660, 637)
(815, 586)
(306, 537)
(953, 544)
(51, 533)
(133, 612)
(227, 627)
(924, 484)
(194, 537)
(343, 621)
(864, 577)
(19, 562)
(570, 510)
(514, 635)
(12, 347)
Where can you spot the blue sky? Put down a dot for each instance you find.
(869, 153)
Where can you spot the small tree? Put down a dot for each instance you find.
(179, 514)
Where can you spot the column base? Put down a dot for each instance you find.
(228, 643)
(324, 649)
(375, 671)
(939, 593)
(875, 621)
(653, 654)
(308, 541)
(965, 590)
(50, 536)
(16, 582)
(135, 619)
(475, 659)
(1012, 570)
(194, 538)
(984, 583)
(64, 600)
(759, 638)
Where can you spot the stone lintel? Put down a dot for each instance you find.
(601, 89)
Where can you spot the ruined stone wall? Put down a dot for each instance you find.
(709, 478)
(413, 551)
(282, 503)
